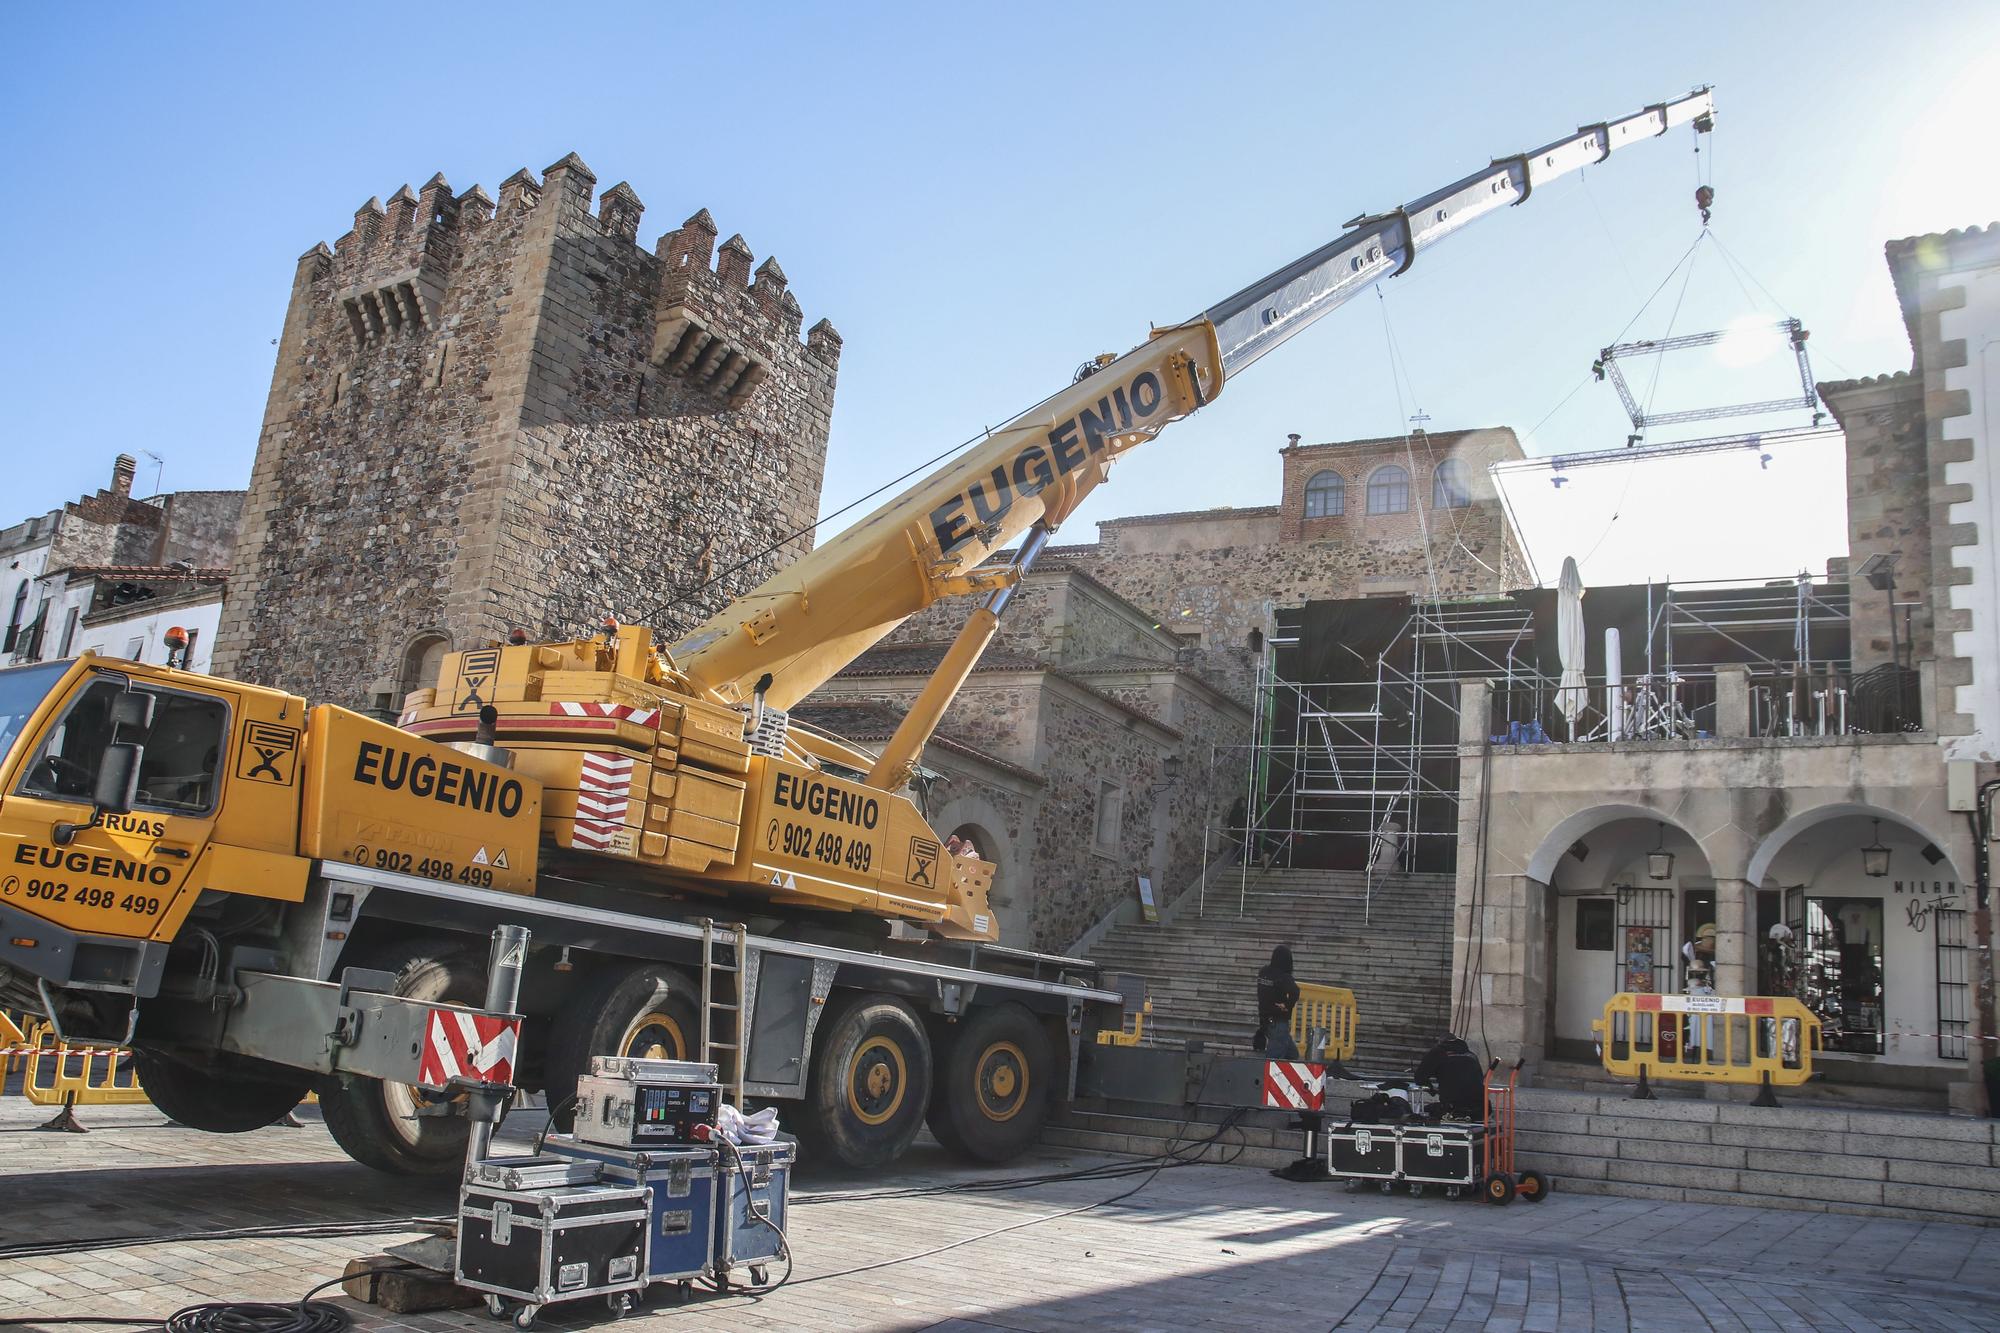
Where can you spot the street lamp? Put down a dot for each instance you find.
(1170, 772)
(1660, 861)
(1875, 857)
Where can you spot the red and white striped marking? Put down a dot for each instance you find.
(640, 717)
(603, 794)
(1755, 1005)
(463, 1045)
(1294, 1085)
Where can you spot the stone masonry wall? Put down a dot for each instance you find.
(1888, 509)
(1214, 572)
(1074, 740)
(200, 528)
(485, 416)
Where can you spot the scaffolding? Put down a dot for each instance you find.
(1358, 770)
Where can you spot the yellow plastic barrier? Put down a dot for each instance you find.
(80, 1075)
(15, 1044)
(1332, 1009)
(1757, 1040)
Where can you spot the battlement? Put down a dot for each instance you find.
(469, 384)
(719, 323)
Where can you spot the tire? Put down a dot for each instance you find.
(376, 1122)
(871, 1082)
(1499, 1188)
(991, 1097)
(1534, 1186)
(645, 1009)
(233, 1095)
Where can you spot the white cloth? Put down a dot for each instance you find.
(748, 1130)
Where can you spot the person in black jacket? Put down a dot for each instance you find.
(1277, 996)
(1456, 1072)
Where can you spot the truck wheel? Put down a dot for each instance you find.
(992, 1093)
(376, 1122)
(871, 1079)
(232, 1096)
(646, 1010)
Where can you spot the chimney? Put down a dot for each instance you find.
(122, 473)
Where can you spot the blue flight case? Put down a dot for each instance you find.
(750, 1206)
(682, 1189)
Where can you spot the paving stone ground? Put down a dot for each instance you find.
(1197, 1248)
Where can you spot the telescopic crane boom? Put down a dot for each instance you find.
(684, 763)
(810, 620)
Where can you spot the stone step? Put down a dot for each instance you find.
(1821, 1091)
(1818, 1159)
(1914, 1167)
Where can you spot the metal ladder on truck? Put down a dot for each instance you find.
(724, 947)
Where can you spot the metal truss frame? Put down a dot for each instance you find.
(1607, 367)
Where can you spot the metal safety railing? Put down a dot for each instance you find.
(1328, 1009)
(1764, 1041)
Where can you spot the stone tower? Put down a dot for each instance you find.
(489, 416)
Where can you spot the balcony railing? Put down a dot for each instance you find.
(1817, 700)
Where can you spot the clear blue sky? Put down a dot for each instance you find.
(979, 197)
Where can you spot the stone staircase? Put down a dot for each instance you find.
(1201, 971)
(1803, 1158)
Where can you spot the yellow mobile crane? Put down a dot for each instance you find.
(262, 897)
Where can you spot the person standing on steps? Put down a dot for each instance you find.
(1277, 996)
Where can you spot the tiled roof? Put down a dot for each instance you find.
(1908, 255)
(1900, 377)
(1180, 516)
(860, 722)
(920, 659)
(1116, 663)
(153, 573)
(1435, 437)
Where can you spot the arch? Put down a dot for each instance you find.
(1449, 489)
(1389, 490)
(1786, 833)
(1255, 641)
(1558, 840)
(1326, 495)
(421, 660)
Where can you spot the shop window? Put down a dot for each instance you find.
(1326, 495)
(1842, 979)
(1596, 928)
(1389, 490)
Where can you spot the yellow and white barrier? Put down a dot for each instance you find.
(69, 1076)
(1762, 1041)
(1333, 1011)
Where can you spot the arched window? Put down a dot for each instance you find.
(1256, 641)
(1389, 491)
(421, 661)
(1448, 487)
(1326, 495)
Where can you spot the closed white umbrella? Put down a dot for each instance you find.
(1571, 692)
(1614, 684)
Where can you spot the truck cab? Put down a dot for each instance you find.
(124, 788)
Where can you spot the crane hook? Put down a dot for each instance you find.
(1704, 199)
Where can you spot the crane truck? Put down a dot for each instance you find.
(263, 897)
